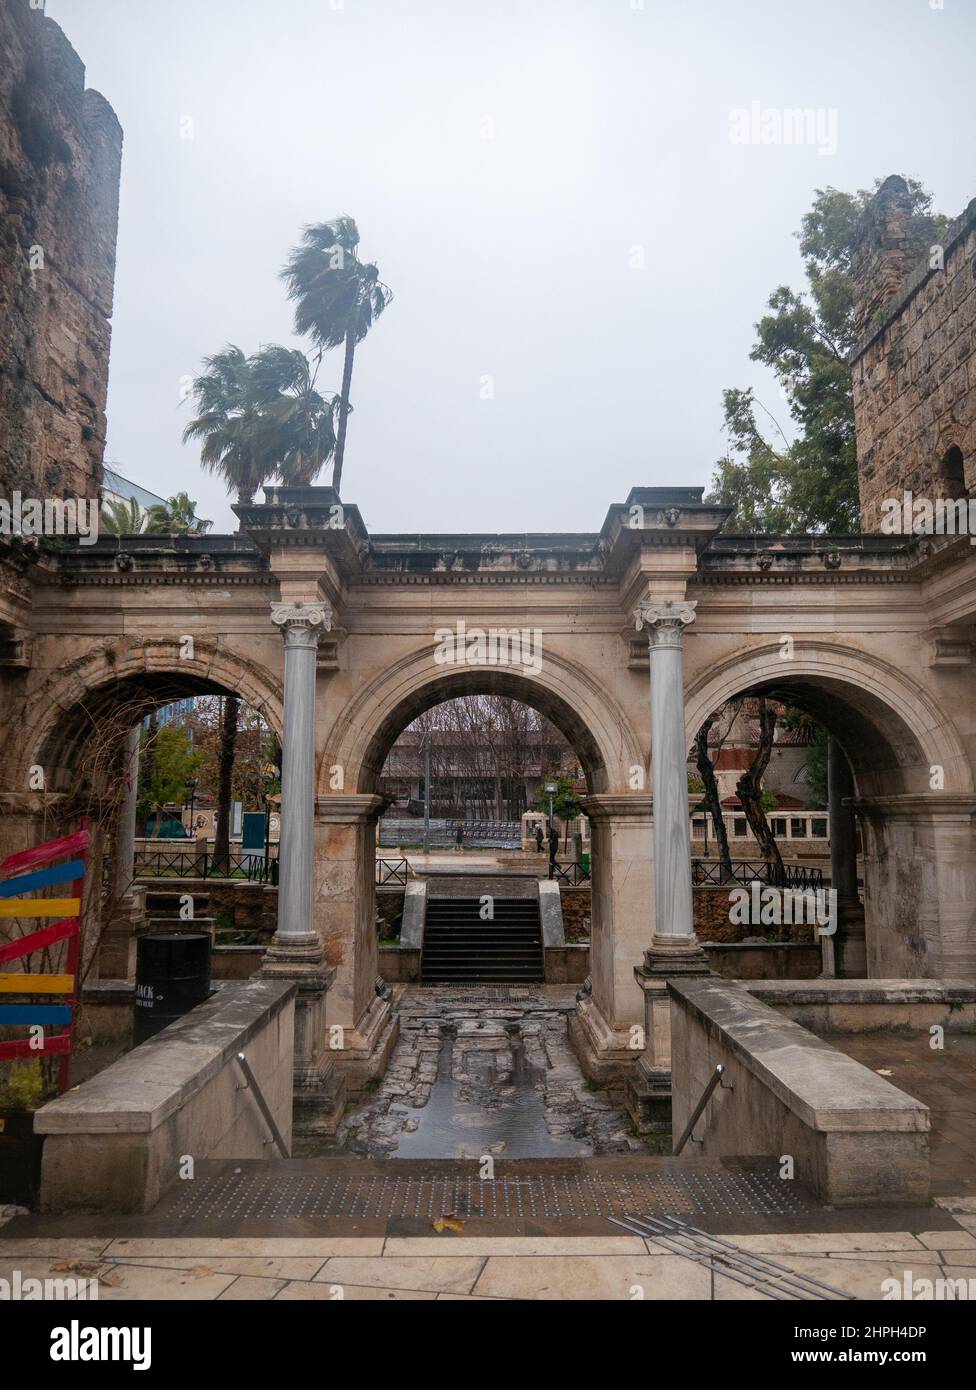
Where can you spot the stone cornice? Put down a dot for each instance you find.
(346, 808)
(218, 579)
(615, 805)
(913, 804)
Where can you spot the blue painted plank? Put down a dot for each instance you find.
(43, 878)
(26, 1014)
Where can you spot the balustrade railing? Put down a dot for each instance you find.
(189, 863)
(391, 871)
(745, 871)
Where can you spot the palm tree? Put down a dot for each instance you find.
(337, 296)
(122, 518)
(284, 380)
(175, 517)
(236, 432)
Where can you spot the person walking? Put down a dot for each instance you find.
(539, 837)
(553, 849)
(459, 838)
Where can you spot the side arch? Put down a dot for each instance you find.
(891, 729)
(73, 697)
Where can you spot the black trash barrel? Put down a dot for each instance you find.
(172, 975)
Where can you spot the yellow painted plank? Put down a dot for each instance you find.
(18, 983)
(39, 907)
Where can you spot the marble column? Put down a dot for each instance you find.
(674, 949)
(850, 947)
(296, 950)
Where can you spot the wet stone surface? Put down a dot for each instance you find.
(479, 1072)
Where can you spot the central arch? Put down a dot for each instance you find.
(598, 729)
(608, 747)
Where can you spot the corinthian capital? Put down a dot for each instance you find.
(298, 620)
(665, 622)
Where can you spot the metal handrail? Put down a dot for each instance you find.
(713, 1081)
(255, 1089)
(571, 872)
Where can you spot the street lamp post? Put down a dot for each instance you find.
(552, 788)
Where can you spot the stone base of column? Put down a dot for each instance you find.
(117, 948)
(647, 1093)
(606, 1054)
(366, 1049)
(319, 1089)
(850, 941)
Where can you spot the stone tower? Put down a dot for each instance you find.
(60, 159)
(914, 365)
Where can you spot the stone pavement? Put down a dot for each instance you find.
(455, 1267)
(944, 1079)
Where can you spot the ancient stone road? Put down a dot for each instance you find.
(485, 1071)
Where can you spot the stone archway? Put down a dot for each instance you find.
(74, 696)
(365, 729)
(566, 692)
(53, 778)
(914, 791)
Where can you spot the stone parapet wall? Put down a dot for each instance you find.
(116, 1142)
(854, 1138)
(863, 1006)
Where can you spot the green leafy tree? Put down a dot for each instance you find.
(337, 299)
(168, 763)
(806, 481)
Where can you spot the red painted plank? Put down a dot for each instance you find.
(43, 854)
(37, 940)
(58, 1046)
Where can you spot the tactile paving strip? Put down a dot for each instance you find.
(556, 1196)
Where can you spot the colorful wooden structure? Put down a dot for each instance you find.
(32, 870)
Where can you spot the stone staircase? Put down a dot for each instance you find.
(460, 947)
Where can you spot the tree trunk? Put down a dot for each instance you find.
(340, 447)
(228, 745)
(146, 773)
(713, 805)
(749, 787)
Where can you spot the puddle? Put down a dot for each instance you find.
(496, 1106)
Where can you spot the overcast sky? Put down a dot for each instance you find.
(511, 165)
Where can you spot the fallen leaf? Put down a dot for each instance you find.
(447, 1222)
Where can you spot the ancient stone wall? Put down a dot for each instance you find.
(60, 158)
(914, 367)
